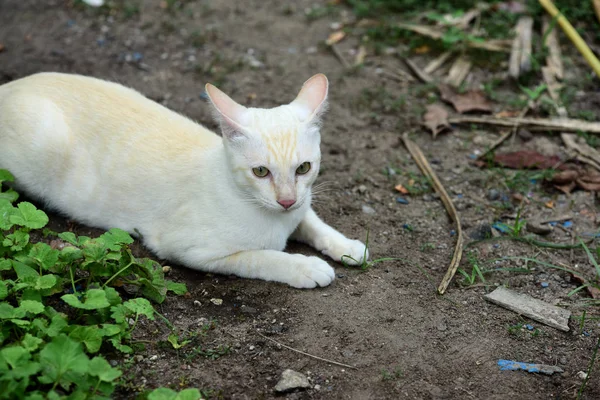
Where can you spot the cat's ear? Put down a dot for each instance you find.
(312, 99)
(232, 116)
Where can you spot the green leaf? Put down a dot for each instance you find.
(30, 342)
(174, 340)
(6, 176)
(115, 238)
(45, 282)
(19, 360)
(94, 251)
(112, 296)
(123, 348)
(16, 241)
(57, 325)
(110, 329)
(7, 311)
(91, 336)
(31, 306)
(24, 272)
(9, 195)
(44, 255)
(69, 237)
(170, 394)
(119, 313)
(177, 288)
(29, 216)
(5, 265)
(101, 368)
(94, 299)
(61, 356)
(6, 210)
(140, 306)
(3, 290)
(69, 255)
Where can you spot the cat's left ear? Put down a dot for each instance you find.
(312, 99)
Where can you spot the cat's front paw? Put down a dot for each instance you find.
(350, 252)
(310, 272)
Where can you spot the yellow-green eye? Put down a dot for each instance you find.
(261, 172)
(303, 168)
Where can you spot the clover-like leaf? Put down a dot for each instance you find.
(140, 306)
(101, 368)
(9, 195)
(5, 265)
(90, 336)
(6, 176)
(95, 299)
(170, 394)
(3, 290)
(29, 216)
(30, 342)
(61, 356)
(31, 306)
(6, 210)
(19, 360)
(45, 282)
(16, 241)
(44, 255)
(115, 238)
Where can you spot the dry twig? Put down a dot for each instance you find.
(426, 169)
(419, 73)
(570, 125)
(306, 354)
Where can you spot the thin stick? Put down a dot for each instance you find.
(338, 54)
(571, 125)
(597, 8)
(426, 169)
(303, 353)
(573, 35)
(422, 75)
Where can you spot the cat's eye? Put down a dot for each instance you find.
(261, 172)
(303, 168)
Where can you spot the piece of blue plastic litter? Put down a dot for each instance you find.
(509, 365)
(401, 200)
(499, 226)
(544, 284)
(529, 327)
(568, 224)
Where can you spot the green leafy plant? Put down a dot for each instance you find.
(61, 308)
(365, 265)
(476, 272)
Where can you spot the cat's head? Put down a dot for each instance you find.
(274, 154)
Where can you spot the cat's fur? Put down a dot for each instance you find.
(105, 155)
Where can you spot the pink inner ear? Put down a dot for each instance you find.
(312, 96)
(228, 108)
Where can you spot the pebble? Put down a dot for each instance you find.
(138, 358)
(114, 363)
(582, 375)
(368, 209)
(525, 134)
(291, 380)
(401, 200)
(197, 303)
(481, 232)
(362, 189)
(216, 302)
(154, 358)
(537, 228)
(166, 269)
(493, 194)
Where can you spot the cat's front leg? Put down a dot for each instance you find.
(313, 231)
(296, 270)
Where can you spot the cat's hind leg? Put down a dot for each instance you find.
(296, 270)
(316, 233)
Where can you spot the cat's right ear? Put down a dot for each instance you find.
(312, 99)
(231, 115)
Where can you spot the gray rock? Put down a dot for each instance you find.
(525, 134)
(368, 209)
(537, 228)
(291, 380)
(493, 195)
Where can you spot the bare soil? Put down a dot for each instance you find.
(403, 339)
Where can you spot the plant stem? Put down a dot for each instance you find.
(589, 370)
(118, 273)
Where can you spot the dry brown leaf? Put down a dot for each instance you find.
(526, 159)
(507, 114)
(401, 189)
(436, 119)
(422, 49)
(360, 55)
(473, 100)
(549, 204)
(335, 37)
(566, 189)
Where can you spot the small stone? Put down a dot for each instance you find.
(154, 358)
(317, 387)
(113, 363)
(216, 302)
(197, 303)
(582, 375)
(493, 194)
(311, 50)
(401, 200)
(138, 358)
(563, 360)
(525, 134)
(368, 209)
(291, 380)
(166, 269)
(428, 197)
(442, 326)
(362, 189)
(249, 310)
(545, 146)
(481, 232)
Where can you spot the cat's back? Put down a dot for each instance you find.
(94, 107)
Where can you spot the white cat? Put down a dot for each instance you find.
(105, 155)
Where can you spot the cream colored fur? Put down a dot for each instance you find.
(107, 156)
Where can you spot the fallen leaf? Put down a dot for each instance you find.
(436, 119)
(549, 204)
(588, 214)
(360, 55)
(473, 100)
(526, 159)
(422, 49)
(335, 37)
(401, 189)
(592, 290)
(564, 177)
(507, 114)
(566, 189)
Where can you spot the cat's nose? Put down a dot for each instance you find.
(286, 203)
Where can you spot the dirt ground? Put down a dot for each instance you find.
(403, 340)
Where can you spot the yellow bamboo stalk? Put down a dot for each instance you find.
(597, 8)
(573, 35)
